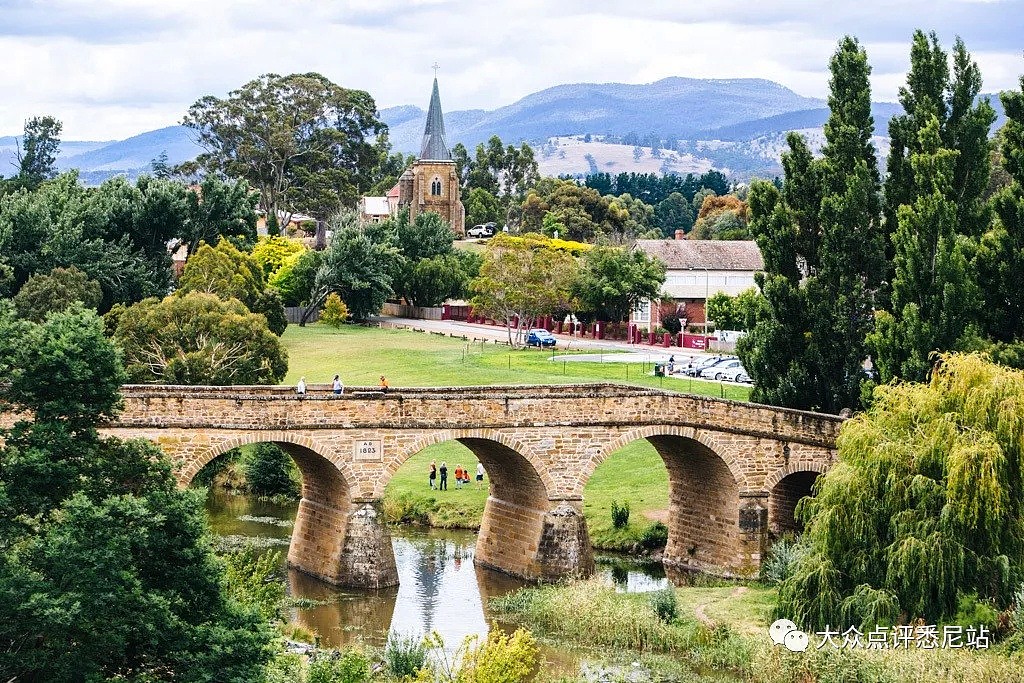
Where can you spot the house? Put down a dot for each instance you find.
(374, 209)
(694, 271)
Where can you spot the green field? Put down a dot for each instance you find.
(362, 354)
(634, 474)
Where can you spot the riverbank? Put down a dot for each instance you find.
(725, 628)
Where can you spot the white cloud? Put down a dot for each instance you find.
(112, 68)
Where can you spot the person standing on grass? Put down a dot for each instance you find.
(433, 473)
(479, 475)
(338, 387)
(444, 477)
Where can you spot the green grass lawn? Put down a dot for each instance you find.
(635, 474)
(362, 354)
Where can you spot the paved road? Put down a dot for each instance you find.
(565, 342)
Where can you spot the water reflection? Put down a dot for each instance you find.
(440, 587)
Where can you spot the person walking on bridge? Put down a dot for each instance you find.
(300, 389)
(383, 384)
(338, 387)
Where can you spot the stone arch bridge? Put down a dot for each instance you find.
(735, 469)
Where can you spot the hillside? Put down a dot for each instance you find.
(671, 107)
(735, 125)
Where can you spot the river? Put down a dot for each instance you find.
(441, 589)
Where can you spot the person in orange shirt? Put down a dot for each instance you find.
(383, 384)
(458, 476)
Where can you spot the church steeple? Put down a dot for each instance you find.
(435, 148)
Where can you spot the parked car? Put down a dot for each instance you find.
(737, 374)
(540, 338)
(717, 370)
(703, 363)
(485, 230)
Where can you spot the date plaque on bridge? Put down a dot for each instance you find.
(369, 450)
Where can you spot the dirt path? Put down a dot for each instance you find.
(657, 515)
(703, 617)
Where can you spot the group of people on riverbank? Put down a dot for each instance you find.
(461, 475)
(337, 386)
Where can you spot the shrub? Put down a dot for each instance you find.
(268, 471)
(620, 514)
(405, 655)
(654, 536)
(672, 323)
(251, 580)
(408, 508)
(335, 311)
(781, 561)
(974, 612)
(350, 666)
(501, 658)
(56, 291)
(664, 604)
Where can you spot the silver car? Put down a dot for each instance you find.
(717, 370)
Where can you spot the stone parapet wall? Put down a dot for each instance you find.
(443, 408)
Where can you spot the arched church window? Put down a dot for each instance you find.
(435, 187)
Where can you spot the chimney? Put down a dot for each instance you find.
(680, 235)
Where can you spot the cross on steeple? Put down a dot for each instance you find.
(435, 68)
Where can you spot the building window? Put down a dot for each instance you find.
(435, 187)
(642, 314)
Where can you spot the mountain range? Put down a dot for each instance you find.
(735, 125)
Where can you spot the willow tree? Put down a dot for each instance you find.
(924, 506)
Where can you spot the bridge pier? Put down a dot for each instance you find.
(753, 538)
(347, 545)
(535, 543)
(368, 560)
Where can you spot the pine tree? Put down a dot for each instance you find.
(1001, 256)
(934, 296)
(934, 208)
(822, 246)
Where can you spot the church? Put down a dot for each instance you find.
(430, 184)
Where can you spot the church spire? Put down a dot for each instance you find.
(435, 148)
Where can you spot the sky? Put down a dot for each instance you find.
(113, 68)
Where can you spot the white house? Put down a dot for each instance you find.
(696, 270)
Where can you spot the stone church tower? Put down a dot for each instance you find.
(432, 184)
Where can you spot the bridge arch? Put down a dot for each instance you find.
(328, 517)
(705, 482)
(524, 530)
(296, 444)
(786, 486)
(509, 462)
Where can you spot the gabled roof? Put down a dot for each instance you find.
(376, 206)
(394, 191)
(711, 254)
(435, 148)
